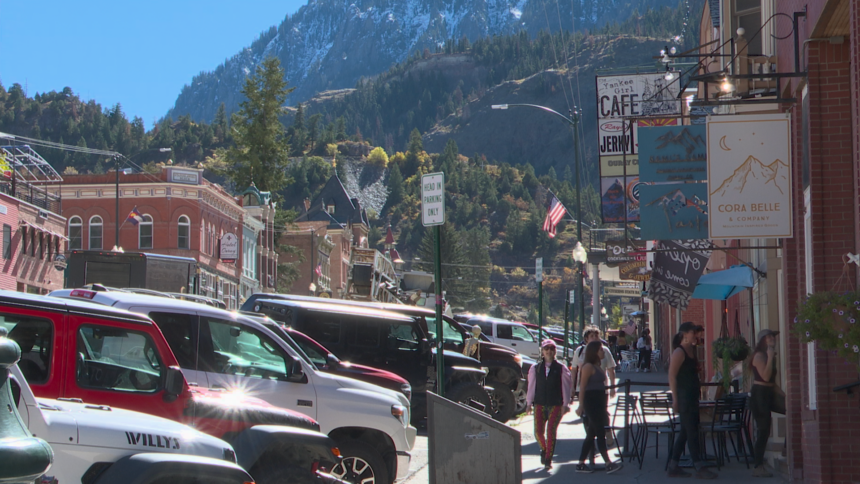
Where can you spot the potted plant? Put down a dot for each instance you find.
(726, 350)
(831, 320)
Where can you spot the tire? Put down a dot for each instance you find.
(361, 463)
(520, 401)
(464, 392)
(502, 399)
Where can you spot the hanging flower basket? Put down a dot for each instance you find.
(832, 320)
(726, 350)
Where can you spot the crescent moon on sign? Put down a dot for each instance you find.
(723, 145)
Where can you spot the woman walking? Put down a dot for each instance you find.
(644, 346)
(549, 396)
(766, 396)
(592, 408)
(685, 386)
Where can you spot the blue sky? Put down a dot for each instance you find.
(139, 54)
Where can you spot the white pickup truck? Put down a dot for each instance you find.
(97, 444)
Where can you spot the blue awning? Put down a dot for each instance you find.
(724, 284)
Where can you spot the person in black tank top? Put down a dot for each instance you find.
(765, 396)
(685, 385)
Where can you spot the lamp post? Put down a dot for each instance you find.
(572, 120)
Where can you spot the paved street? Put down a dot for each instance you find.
(570, 437)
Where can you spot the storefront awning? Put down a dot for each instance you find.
(724, 284)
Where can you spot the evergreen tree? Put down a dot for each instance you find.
(453, 260)
(261, 151)
(395, 187)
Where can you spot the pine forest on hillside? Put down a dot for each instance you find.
(495, 209)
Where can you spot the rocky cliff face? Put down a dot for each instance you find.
(332, 44)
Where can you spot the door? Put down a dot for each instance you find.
(41, 357)
(401, 352)
(182, 333)
(118, 364)
(241, 358)
(524, 341)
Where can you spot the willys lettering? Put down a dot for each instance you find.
(149, 440)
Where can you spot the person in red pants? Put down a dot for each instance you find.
(549, 396)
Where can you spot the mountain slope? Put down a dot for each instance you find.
(332, 44)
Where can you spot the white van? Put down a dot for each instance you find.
(221, 349)
(508, 333)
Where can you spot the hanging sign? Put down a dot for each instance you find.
(678, 265)
(749, 177)
(674, 211)
(613, 192)
(229, 247)
(673, 154)
(636, 270)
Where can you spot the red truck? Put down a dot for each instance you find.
(104, 356)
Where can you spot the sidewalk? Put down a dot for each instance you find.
(569, 444)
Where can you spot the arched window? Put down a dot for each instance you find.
(76, 233)
(144, 233)
(96, 232)
(184, 234)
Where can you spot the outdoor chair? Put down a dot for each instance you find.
(629, 359)
(657, 406)
(655, 360)
(728, 420)
(617, 424)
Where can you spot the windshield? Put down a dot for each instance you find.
(316, 352)
(288, 338)
(450, 334)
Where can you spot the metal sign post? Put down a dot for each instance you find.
(433, 214)
(539, 279)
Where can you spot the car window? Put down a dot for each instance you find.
(317, 354)
(402, 337)
(35, 338)
(520, 333)
(505, 331)
(177, 330)
(365, 334)
(486, 328)
(449, 332)
(324, 330)
(117, 359)
(245, 351)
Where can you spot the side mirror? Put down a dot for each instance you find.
(174, 383)
(332, 361)
(297, 373)
(235, 332)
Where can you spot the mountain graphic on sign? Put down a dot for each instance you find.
(684, 138)
(753, 175)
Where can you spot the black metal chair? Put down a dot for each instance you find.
(729, 420)
(657, 405)
(616, 424)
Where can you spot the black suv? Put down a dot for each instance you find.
(385, 340)
(504, 382)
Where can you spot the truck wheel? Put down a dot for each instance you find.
(361, 463)
(464, 392)
(502, 399)
(520, 399)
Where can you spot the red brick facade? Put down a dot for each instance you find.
(35, 237)
(823, 436)
(168, 199)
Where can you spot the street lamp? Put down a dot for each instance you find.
(572, 121)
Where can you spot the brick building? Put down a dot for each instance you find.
(184, 215)
(815, 442)
(259, 259)
(33, 231)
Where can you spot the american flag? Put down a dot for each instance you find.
(553, 216)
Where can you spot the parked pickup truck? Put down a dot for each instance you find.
(98, 444)
(103, 356)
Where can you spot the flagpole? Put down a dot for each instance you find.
(116, 222)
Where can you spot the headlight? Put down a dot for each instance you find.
(407, 390)
(400, 413)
